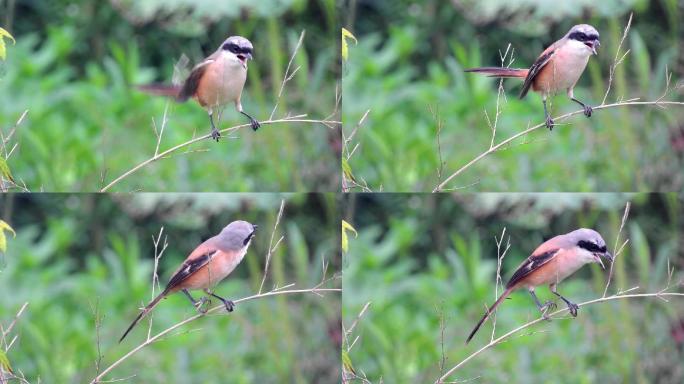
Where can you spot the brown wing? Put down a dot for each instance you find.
(190, 85)
(189, 267)
(536, 68)
(532, 263)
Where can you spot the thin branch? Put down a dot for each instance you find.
(166, 153)
(6, 331)
(501, 144)
(271, 248)
(499, 280)
(617, 61)
(165, 332)
(617, 251)
(539, 320)
(288, 76)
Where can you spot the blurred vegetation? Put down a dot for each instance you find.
(408, 67)
(76, 65)
(423, 259)
(78, 255)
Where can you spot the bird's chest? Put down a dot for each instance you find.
(562, 72)
(222, 83)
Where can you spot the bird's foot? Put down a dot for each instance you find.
(587, 111)
(255, 124)
(229, 305)
(215, 134)
(572, 307)
(549, 306)
(549, 123)
(199, 305)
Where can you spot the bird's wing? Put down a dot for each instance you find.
(190, 85)
(538, 65)
(531, 264)
(199, 258)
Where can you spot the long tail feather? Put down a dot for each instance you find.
(501, 71)
(488, 313)
(144, 313)
(161, 90)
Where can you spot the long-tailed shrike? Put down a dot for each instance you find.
(557, 68)
(553, 261)
(207, 265)
(216, 81)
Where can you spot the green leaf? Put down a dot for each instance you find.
(345, 48)
(345, 240)
(4, 363)
(3, 34)
(4, 170)
(347, 367)
(3, 241)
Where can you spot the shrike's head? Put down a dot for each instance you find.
(590, 245)
(237, 235)
(237, 48)
(584, 37)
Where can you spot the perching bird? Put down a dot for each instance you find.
(553, 261)
(206, 266)
(557, 68)
(216, 81)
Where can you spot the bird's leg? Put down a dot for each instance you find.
(587, 109)
(549, 120)
(548, 306)
(252, 121)
(215, 134)
(197, 303)
(229, 304)
(572, 307)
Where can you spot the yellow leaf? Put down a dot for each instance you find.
(345, 48)
(4, 363)
(3, 240)
(4, 170)
(345, 240)
(3, 34)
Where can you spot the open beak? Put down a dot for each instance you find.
(593, 45)
(607, 255)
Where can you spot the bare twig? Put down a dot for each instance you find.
(499, 281)
(617, 251)
(288, 76)
(501, 144)
(220, 307)
(166, 153)
(271, 247)
(619, 295)
(618, 60)
(6, 331)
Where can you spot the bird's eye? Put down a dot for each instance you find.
(231, 47)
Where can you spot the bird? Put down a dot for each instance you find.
(215, 81)
(558, 68)
(553, 261)
(206, 266)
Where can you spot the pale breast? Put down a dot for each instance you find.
(563, 71)
(222, 83)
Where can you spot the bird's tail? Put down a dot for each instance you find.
(162, 90)
(488, 313)
(501, 71)
(144, 313)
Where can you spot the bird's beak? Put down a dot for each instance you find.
(248, 56)
(595, 45)
(607, 255)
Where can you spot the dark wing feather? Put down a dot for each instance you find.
(534, 71)
(188, 268)
(531, 264)
(190, 85)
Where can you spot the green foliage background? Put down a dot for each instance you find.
(422, 259)
(76, 65)
(408, 67)
(78, 255)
